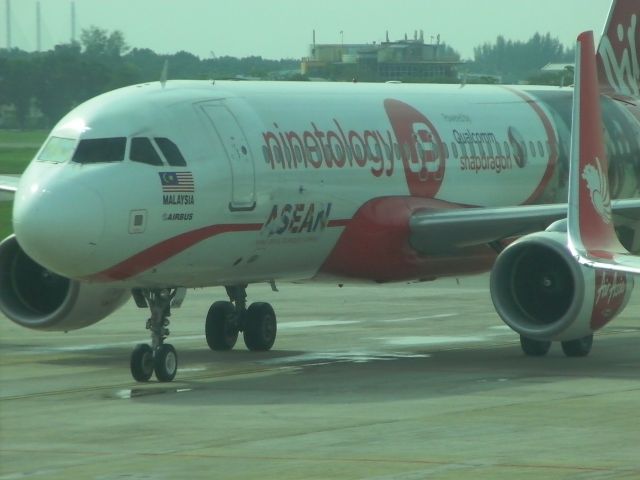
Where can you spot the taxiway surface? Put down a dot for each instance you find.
(381, 382)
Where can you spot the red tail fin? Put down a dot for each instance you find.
(618, 62)
(592, 237)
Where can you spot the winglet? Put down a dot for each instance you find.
(592, 237)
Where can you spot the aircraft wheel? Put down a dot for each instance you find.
(142, 362)
(580, 347)
(221, 329)
(165, 362)
(260, 327)
(534, 348)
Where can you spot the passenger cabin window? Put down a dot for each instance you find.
(171, 152)
(142, 151)
(57, 150)
(100, 150)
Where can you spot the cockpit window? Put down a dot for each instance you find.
(171, 152)
(57, 150)
(142, 151)
(99, 150)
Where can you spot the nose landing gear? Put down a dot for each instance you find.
(159, 358)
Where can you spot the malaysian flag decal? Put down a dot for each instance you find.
(176, 182)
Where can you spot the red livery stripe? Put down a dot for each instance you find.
(164, 250)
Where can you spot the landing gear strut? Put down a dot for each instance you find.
(226, 319)
(160, 357)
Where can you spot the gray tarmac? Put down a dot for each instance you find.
(364, 382)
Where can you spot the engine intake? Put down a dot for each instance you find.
(542, 292)
(36, 298)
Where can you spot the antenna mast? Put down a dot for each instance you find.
(38, 28)
(8, 2)
(73, 22)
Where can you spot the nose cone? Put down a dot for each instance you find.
(59, 226)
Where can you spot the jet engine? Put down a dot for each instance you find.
(33, 297)
(543, 293)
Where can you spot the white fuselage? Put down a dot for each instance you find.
(274, 172)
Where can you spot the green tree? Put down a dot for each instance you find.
(17, 87)
(100, 43)
(59, 81)
(515, 61)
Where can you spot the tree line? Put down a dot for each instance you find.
(514, 61)
(38, 88)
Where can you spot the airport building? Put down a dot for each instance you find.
(403, 60)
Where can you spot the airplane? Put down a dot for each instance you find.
(153, 189)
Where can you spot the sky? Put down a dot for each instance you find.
(283, 28)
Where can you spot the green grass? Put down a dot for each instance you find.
(17, 148)
(5, 220)
(33, 137)
(15, 160)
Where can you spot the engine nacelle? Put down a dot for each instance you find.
(542, 292)
(33, 297)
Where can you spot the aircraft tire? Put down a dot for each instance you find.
(580, 347)
(534, 348)
(142, 363)
(221, 331)
(165, 363)
(260, 327)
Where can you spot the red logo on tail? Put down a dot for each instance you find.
(618, 63)
(596, 182)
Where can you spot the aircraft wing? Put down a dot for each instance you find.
(8, 184)
(445, 231)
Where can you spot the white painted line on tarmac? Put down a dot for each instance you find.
(128, 394)
(323, 358)
(99, 346)
(422, 317)
(432, 340)
(404, 341)
(501, 328)
(315, 323)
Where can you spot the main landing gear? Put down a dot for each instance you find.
(226, 319)
(580, 347)
(159, 357)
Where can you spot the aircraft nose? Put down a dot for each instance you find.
(59, 227)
